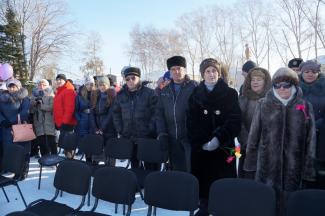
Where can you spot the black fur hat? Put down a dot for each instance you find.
(176, 61)
(295, 62)
(132, 71)
(248, 65)
(61, 76)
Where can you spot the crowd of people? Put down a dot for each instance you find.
(279, 121)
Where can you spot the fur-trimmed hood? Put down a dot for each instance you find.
(317, 87)
(248, 92)
(6, 96)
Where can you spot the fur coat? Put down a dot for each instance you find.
(281, 142)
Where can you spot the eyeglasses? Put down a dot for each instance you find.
(285, 85)
(130, 78)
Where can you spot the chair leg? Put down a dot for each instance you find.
(40, 177)
(116, 208)
(154, 211)
(149, 210)
(191, 213)
(89, 191)
(61, 193)
(123, 209)
(4, 192)
(21, 194)
(128, 213)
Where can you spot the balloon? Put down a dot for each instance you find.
(6, 71)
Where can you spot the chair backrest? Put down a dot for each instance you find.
(173, 190)
(21, 213)
(230, 197)
(73, 176)
(14, 159)
(92, 144)
(119, 148)
(306, 202)
(115, 184)
(69, 142)
(150, 150)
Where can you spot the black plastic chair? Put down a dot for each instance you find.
(149, 151)
(69, 143)
(306, 203)
(115, 185)
(92, 145)
(71, 176)
(13, 162)
(21, 213)
(119, 148)
(234, 196)
(172, 190)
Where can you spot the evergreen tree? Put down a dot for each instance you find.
(11, 45)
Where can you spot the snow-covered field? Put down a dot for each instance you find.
(31, 193)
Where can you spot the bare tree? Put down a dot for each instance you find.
(295, 24)
(151, 47)
(46, 33)
(253, 16)
(93, 64)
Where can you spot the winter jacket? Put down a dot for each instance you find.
(281, 142)
(83, 112)
(213, 114)
(12, 104)
(102, 115)
(134, 113)
(172, 108)
(315, 94)
(43, 121)
(64, 105)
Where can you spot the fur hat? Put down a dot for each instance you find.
(248, 66)
(89, 80)
(44, 81)
(61, 76)
(295, 62)
(285, 74)
(132, 71)
(176, 61)
(309, 65)
(209, 62)
(13, 81)
(103, 80)
(6, 71)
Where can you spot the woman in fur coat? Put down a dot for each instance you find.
(312, 83)
(14, 102)
(257, 83)
(281, 141)
(213, 122)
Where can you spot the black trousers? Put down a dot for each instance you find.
(47, 144)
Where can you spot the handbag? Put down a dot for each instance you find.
(22, 132)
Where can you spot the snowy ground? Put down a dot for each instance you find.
(31, 193)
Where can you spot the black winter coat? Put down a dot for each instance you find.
(172, 108)
(213, 114)
(134, 114)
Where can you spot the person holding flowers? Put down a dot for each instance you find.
(281, 141)
(213, 122)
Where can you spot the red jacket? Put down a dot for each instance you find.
(64, 105)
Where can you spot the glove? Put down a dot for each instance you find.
(212, 145)
(6, 124)
(66, 127)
